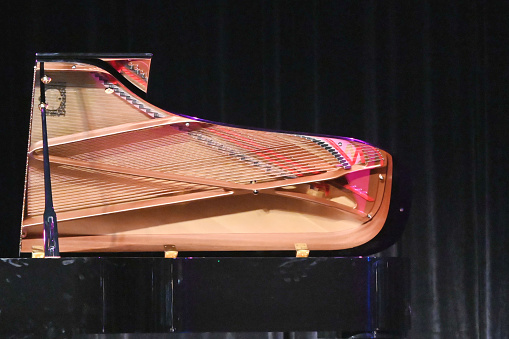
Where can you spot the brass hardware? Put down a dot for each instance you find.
(37, 252)
(46, 79)
(316, 193)
(302, 250)
(109, 90)
(170, 251)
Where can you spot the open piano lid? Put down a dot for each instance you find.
(128, 176)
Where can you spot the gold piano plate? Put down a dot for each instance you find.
(129, 176)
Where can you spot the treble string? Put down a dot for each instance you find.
(271, 152)
(257, 152)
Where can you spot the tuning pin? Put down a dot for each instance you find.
(46, 79)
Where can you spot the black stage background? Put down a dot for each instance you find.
(427, 81)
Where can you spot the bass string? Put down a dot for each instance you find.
(99, 196)
(72, 191)
(85, 107)
(141, 154)
(288, 151)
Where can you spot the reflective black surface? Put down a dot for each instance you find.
(70, 296)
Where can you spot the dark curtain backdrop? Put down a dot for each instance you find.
(425, 80)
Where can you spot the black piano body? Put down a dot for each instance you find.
(75, 296)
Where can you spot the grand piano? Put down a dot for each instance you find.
(173, 224)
